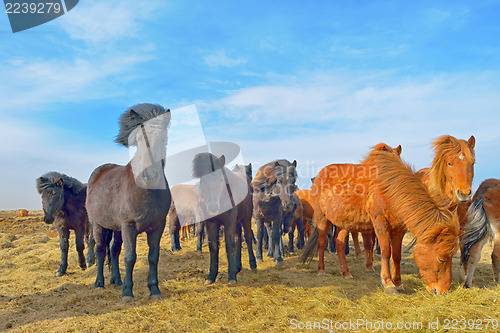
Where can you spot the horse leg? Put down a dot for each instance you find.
(213, 246)
(331, 235)
(64, 245)
(265, 236)
(323, 226)
(495, 258)
(199, 236)
(247, 228)
(129, 235)
(275, 242)
(396, 244)
(368, 246)
(174, 228)
(80, 246)
(154, 238)
(270, 241)
(233, 250)
(340, 245)
(290, 238)
(385, 272)
(89, 239)
(100, 236)
(260, 234)
(357, 248)
(300, 229)
(115, 247)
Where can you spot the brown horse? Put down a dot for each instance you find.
(340, 195)
(128, 200)
(22, 213)
(483, 223)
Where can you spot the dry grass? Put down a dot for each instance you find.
(33, 299)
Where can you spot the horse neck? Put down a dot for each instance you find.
(439, 188)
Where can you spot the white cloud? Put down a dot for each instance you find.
(220, 59)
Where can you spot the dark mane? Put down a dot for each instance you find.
(130, 120)
(205, 163)
(270, 172)
(50, 179)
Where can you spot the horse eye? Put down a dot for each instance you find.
(450, 164)
(441, 260)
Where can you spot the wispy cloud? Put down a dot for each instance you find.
(221, 59)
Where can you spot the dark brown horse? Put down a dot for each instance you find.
(63, 201)
(483, 223)
(225, 200)
(296, 217)
(132, 199)
(273, 188)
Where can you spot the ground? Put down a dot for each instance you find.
(290, 298)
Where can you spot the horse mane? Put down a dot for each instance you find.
(380, 147)
(206, 163)
(51, 179)
(445, 146)
(270, 172)
(410, 202)
(135, 116)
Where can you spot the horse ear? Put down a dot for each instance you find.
(250, 165)
(277, 163)
(222, 161)
(60, 182)
(294, 163)
(133, 114)
(399, 149)
(312, 179)
(472, 142)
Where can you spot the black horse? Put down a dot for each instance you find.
(132, 199)
(273, 187)
(225, 200)
(63, 201)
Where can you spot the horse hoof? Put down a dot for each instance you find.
(254, 269)
(127, 299)
(280, 264)
(391, 290)
(90, 264)
(199, 252)
(348, 277)
(59, 274)
(400, 288)
(156, 297)
(370, 271)
(359, 256)
(259, 260)
(208, 282)
(321, 273)
(231, 282)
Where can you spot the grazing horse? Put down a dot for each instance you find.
(185, 210)
(225, 199)
(63, 201)
(483, 223)
(340, 194)
(131, 199)
(400, 201)
(273, 188)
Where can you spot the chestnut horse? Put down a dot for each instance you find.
(340, 195)
(128, 200)
(483, 223)
(400, 201)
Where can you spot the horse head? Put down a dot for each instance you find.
(52, 199)
(212, 188)
(285, 183)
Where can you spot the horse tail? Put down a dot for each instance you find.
(475, 230)
(311, 248)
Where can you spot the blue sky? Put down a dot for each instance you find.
(315, 81)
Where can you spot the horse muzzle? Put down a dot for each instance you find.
(464, 197)
(48, 219)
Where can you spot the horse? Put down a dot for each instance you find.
(483, 223)
(340, 194)
(184, 211)
(22, 213)
(131, 199)
(400, 201)
(273, 186)
(225, 200)
(296, 222)
(63, 201)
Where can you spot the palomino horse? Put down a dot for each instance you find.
(483, 223)
(340, 194)
(225, 200)
(63, 201)
(185, 210)
(400, 201)
(132, 199)
(273, 188)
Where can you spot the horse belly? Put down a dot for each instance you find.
(346, 212)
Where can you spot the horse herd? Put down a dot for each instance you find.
(382, 197)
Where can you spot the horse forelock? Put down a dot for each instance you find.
(269, 173)
(51, 179)
(410, 201)
(446, 147)
(129, 122)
